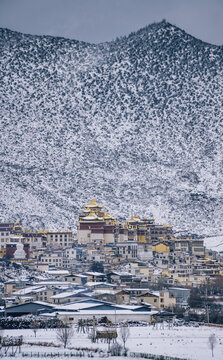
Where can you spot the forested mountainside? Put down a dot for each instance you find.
(136, 123)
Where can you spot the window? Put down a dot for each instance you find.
(198, 249)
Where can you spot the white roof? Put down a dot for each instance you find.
(43, 303)
(79, 275)
(92, 284)
(137, 289)
(87, 305)
(178, 288)
(29, 290)
(55, 282)
(101, 292)
(94, 273)
(105, 312)
(129, 307)
(57, 272)
(77, 305)
(66, 294)
(26, 298)
(123, 273)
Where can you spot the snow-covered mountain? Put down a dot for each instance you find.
(135, 123)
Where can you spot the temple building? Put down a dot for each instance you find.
(133, 238)
(95, 225)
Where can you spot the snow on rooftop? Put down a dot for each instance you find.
(96, 283)
(28, 290)
(107, 291)
(77, 306)
(107, 312)
(56, 282)
(57, 272)
(121, 273)
(66, 294)
(94, 273)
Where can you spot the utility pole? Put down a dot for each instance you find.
(207, 311)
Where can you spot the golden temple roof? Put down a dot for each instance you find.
(135, 219)
(108, 216)
(92, 204)
(91, 216)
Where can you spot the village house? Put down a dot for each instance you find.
(161, 299)
(76, 278)
(117, 296)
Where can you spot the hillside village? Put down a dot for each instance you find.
(119, 269)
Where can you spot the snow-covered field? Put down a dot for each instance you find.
(183, 342)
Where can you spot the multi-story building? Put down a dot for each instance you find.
(36, 240)
(95, 225)
(127, 250)
(59, 239)
(55, 259)
(189, 245)
(6, 230)
(160, 232)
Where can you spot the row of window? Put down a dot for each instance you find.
(61, 236)
(52, 260)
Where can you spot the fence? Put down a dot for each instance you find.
(153, 357)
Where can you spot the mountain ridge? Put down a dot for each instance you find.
(135, 122)
(158, 25)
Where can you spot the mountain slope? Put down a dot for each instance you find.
(136, 122)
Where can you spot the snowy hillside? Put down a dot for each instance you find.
(214, 242)
(135, 123)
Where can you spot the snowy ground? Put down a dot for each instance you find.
(183, 342)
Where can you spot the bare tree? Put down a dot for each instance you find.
(34, 326)
(212, 342)
(124, 333)
(64, 333)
